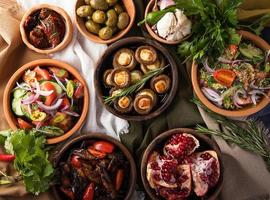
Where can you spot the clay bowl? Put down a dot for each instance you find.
(10, 117)
(106, 60)
(68, 24)
(149, 9)
(63, 153)
(130, 9)
(245, 111)
(205, 144)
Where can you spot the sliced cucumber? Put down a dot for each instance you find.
(16, 106)
(26, 111)
(19, 93)
(57, 87)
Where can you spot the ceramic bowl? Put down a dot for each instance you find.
(62, 154)
(245, 111)
(105, 62)
(205, 144)
(68, 24)
(10, 117)
(130, 9)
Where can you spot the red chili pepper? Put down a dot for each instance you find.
(7, 157)
(224, 77)
(75, 162)
(119, 177)
(89, 192)
(79, 89)
(96, 153)
(68, 193)
(104, 146)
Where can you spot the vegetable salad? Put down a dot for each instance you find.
(238, 78)
(48, 99)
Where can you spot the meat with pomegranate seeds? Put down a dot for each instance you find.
(45, 28)
(171, 172)
(91, 168)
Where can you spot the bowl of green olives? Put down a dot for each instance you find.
(104, 21)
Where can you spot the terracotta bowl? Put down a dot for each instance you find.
(68, 35)
(149, 9)
(205, 144)
(62, 154)
(130, 9)
(105, 62)
(10, 117)
(243, 112)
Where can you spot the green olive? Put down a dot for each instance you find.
(111, 2)
(84, 11)
(123, 20)
(111, 18)
(118, 8)
(92, 27)
(87, 2)
(99, 17)
(99, 4)
(105, 33)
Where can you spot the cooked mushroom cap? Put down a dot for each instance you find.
(136, 75)
(124, 58)
(115, 91)
(150, 93)
(123, 104)
(120, 77)
(143, 104)
(160, 84)
(146, 55)
(107, 77)
(160, 62)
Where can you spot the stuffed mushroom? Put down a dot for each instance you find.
(144, 101)
(120, 77)
(107, 78)
(123, 104)
(160, 84)
(124, 58)
(146, 55)
(160, 62)
(136, 75)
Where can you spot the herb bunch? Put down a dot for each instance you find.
(253, 137)
(135, 87)
(214, 23)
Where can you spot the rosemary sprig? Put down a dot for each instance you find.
(253, 137)
(135, 87)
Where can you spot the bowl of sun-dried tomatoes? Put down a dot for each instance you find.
(182, 164)
(46, 28)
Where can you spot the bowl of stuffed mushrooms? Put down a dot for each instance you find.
(46, 28)
(136, 79)
(104, 21)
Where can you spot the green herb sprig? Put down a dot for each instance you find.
(253, 137)
(136, 86)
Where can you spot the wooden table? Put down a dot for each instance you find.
(6, 3)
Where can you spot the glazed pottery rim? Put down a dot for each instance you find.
(135, 41)
(116, 37)
(244, 112)
(10, 116)
(90, 135)
(68, 25)
(165, 135)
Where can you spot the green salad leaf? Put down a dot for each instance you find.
(31, 158)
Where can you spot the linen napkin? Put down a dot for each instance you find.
(83, 55)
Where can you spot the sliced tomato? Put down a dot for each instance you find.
(23, 124)
(89, 192)
(65, 103)
(61, 73)
(233, 49)
(42, 74)
(79, 92)
(119, 179)
(75, 162)
(224, 77)
(96, 153)
(104, 146)
(48, 86)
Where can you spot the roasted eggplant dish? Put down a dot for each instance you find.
(97, 170)
(130, 85)
(45, 28)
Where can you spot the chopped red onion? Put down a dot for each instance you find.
(258, 92)
(69, 112)
(65, 108)
(236, 98)
(50, 108)
(59, 82)
(212, 95)
(31, 99)
(43, 92)
(227, 61)
(207, 67)
(24, 86)
(267, 56)
(29, 109)
(253, 86)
